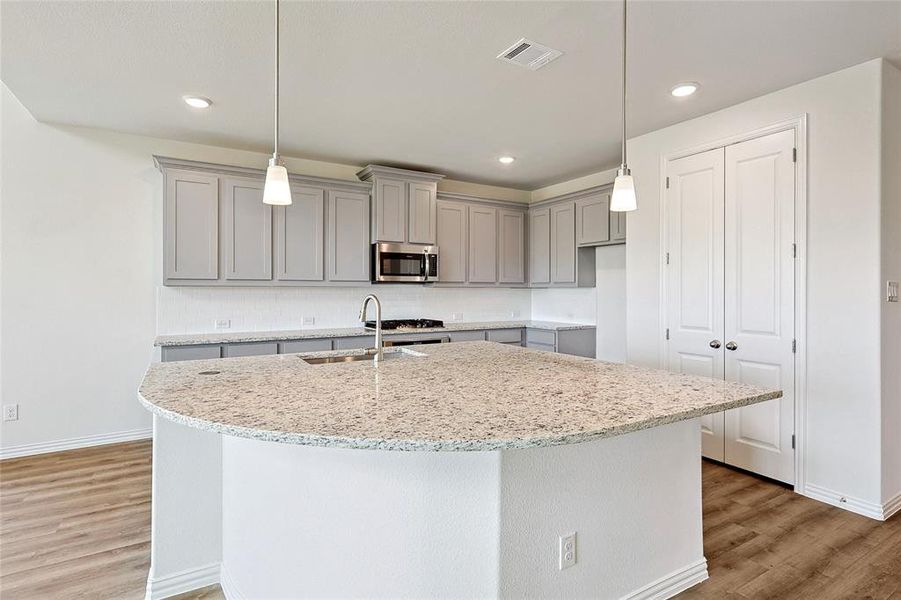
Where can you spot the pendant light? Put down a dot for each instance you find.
(623, 198)
(277, 190)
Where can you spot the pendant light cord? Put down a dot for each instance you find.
(275, 153)
(624, 84)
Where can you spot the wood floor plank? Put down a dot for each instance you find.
(76, 524)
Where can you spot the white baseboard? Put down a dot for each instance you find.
(672, 584)
(855, 505)
(181, 582)
(73, 443)
(891, 507)
(229, 589)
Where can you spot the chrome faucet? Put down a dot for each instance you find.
(377, 351)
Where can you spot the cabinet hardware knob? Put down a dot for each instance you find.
(715, 344)
(731, 346)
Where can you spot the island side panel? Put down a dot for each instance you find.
(633, 500)
(186, 514)
(315, 522)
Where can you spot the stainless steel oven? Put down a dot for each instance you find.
(404, 263)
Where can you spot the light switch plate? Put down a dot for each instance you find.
(308, 321)
(222, 324)
(891, 291)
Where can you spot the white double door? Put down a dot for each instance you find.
(730, 291)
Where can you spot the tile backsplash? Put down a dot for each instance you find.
(196, 310)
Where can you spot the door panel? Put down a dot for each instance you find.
(192, 226)
(248, 231)
(511, 246)
(540, 246)
(452, 241)
(695, 276)
(390, 210)
(563, 243)
(348, 244)
(299, 236)
(759, 292)
(482, 244)
(422, 215)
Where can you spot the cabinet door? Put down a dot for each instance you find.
(593, 219)
(251, 349)
(177, 353)
(348, 239)
(422, 213)
(617, 227)
(299, 236)
(452, 241)
(511, 247)
(563, 243)
(192, 226)
(540, 246)
(247, 231)
(482, 244)
(390, 210)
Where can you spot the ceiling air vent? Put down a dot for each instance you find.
(529, 54)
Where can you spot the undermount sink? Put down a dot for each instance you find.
(326, 360)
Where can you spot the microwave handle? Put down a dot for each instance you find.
(425, 265)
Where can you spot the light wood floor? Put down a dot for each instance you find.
(77, 525)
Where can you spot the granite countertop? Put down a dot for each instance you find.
(192, 339)
(462, 396)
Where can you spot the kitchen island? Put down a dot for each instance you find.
(455, 470)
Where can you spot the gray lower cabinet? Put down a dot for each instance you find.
(542, 347)
(300, 235)
(177, 353)
(354, 343)
(247, 230)
(505, 336)
(293, 346)
(541, 337)
(452, 241)
(593, 219)
(423, 212)
(563, 243)
(540, 246)
(348, 236)
(466, 336)
(191, 231)
(250, 349)
(511, 246)
(482, 244)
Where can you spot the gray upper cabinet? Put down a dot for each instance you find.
(511, 246)
(563, 243)
(540, 246)
(191, 231)
(482, 244)
(348, 239)
(389, 210)
(300, 235)
(617, 227)
(593, 219)
(423, 212)
(452, 223)
(247, 229)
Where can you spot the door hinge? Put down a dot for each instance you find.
(667, 258)
(794, 250)
(667, 183)
(794, 346)
(794, 155)
(667, 333)
(793, 441)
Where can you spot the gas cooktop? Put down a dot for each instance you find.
(406, 324)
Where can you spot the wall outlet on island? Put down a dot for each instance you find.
(10, 412)
(307, 321)
(222, 324)
(567, 550)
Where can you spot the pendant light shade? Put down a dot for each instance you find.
(623, 198)
(277, 190)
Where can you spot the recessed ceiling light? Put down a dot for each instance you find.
(197, 101)
(506, 160)
(685, 89)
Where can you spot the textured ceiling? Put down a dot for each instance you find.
(416, 83)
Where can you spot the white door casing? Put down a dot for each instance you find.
(759, 294)
(695, 304)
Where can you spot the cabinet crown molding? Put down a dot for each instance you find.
(514, 204)
(164, 163)
(573, 195)
(371, 171)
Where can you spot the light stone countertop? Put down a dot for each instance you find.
(451, 397)
(223, 337)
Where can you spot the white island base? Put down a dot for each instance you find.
(273, 520)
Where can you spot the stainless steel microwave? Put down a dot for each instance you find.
(398, 263)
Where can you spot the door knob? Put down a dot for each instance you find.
(731, 346)
(715, 344)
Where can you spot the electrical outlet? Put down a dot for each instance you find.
(891, 291)
(567, 550)
(10, 412)
(222, 324)
(457, 317)
(514, 314)
(308, 321)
